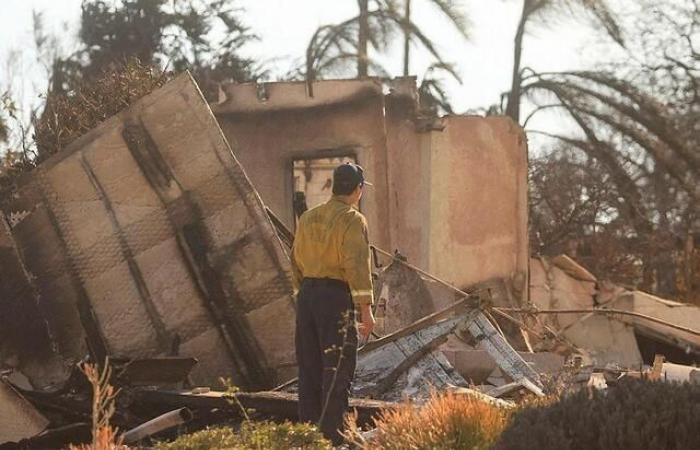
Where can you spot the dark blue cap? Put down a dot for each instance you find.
(349, 175)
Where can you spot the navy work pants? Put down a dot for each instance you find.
(326, 350)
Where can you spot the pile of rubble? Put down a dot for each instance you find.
(145, 244)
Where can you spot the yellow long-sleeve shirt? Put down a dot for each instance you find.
(331, 242)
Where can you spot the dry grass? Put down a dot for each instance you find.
(104, 436)
(446, 421)
(67, 117)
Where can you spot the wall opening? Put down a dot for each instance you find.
(313, 181)
(650, 345)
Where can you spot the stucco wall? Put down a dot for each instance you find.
(409, 181)
(478, 200)
(297, 126)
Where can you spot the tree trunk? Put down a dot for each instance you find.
(691, 293)
(513, 107)
(664, 255)
(362, 39)
(406, 38)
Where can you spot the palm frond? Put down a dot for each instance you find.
(444, 66)
(332, 46)
(546, 11)
(605, 17)
(413, 29)
(627, 113)
(455, 14)
(329, 45)
(431, 92)
(339, 62)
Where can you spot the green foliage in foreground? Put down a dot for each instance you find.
(252, 436)
(635, 414)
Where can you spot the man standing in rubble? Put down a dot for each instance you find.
(332, 273)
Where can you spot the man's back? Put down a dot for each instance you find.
(327, 237)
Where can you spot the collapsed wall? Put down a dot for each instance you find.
(145, 238)
(626, 341)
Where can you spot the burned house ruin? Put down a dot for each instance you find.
(162, 237)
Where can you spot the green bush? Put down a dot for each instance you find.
(634, 414)
(252, 436)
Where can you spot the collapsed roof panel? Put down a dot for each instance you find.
(382, 366)
(681, 314)
(638, 326)
(146, 237)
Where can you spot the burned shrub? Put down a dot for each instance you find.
(67, 117)
(634, 414)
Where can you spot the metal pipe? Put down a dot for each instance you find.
(600, 311)
(426, 274)
(542, 311)
(160, 423)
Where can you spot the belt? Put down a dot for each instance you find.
(326, 282)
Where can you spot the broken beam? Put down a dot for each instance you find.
(470, 302)
(280, 405)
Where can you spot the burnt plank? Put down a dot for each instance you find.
(272, 404)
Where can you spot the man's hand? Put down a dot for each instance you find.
(366, 324)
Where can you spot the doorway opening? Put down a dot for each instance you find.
(313, 181)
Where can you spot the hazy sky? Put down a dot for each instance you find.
(285, 26)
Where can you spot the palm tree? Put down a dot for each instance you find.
(637, 123)
(450, 9)
(363, 37)
(542, 9)
(646, 146)
(332, 47)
